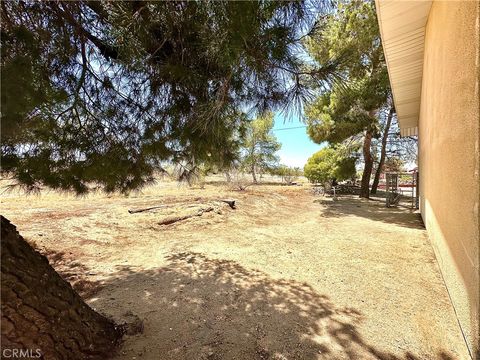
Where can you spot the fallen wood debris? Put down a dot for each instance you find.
(147, 209)
(173, 219)
(230, 203)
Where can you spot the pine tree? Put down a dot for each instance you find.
(101, 92)
(350, 35)
(260, 146)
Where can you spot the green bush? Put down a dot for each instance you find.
(327, 164)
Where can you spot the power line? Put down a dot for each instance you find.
(291, 128)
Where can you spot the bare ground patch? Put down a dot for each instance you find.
(286, 275)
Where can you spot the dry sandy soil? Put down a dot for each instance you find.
(286, 275)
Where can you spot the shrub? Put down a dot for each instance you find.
(327, 164)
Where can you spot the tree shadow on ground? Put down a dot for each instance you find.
(201, 308)
(373, 209)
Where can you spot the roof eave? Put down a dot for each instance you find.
(402, 29)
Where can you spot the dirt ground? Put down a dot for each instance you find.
(286, 275)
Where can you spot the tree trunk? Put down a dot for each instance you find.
(367, 170)
(253, 174)
(376, 180)
(41, 313)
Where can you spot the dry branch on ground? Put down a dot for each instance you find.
(179, 210)
(230, 203)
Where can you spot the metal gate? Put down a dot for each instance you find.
(400, 185)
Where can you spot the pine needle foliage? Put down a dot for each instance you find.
(351, 35)
(103, 92)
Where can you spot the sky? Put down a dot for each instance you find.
(296, 145)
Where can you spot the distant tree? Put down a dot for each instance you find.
(328, 164)
(260, 145)
(288, 174)
(351, 35)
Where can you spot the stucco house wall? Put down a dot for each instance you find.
(449, 153)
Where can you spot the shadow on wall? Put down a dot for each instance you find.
(201, 308)
(373, 209)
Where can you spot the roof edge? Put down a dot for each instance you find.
(400, 23)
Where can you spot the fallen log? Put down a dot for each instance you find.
(160, 207)
(147, 209)
(173, 219)
(230, 203)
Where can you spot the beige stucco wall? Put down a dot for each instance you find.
(449, 153)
